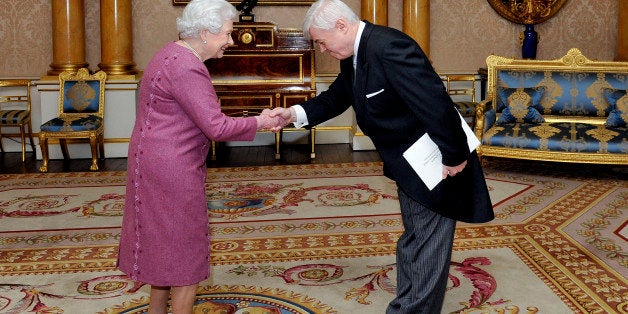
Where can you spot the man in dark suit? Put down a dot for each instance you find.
(398, 97)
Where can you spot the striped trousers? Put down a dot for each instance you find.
(423, 258)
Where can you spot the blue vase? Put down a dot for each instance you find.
(529, 41)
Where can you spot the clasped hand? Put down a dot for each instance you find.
(274, 120)
(452, 171)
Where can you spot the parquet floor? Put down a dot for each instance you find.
(227, 156)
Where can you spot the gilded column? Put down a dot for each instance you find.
(622, 32)
(116, 37)
(416, 22)
(68, 36)
(375, 11)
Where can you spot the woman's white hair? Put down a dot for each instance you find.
(199, 15)
(323, 14)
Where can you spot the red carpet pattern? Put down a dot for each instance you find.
(321, 239)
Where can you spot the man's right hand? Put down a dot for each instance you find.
(287, 114)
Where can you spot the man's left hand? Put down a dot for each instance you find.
(452, 171)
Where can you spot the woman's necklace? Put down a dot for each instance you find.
(194, 51)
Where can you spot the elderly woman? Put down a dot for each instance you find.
(165, 239)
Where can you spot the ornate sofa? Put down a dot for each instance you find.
(570, 109)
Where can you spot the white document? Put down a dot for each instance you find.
(426, 159)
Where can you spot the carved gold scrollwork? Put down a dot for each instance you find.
(527, 11)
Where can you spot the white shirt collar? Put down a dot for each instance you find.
(356, 43)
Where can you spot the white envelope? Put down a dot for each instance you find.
(427, 160)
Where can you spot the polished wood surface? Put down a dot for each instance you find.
(265, 68)
(239, 156)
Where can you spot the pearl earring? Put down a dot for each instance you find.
(204, 41)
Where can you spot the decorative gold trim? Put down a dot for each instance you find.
(302, 97)
(574, 119)
(527, 11)
(334, 128)
(222, 98)
(560, 156)
(84, 140)
(117, 140)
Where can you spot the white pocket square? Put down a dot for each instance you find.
(375, 93)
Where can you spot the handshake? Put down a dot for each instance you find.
(275, 119)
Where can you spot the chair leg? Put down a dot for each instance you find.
(94, 146)
(213, 148)
(1, 142)
(312, 142)
(278, 139)
(30, 136)
(43, 143)
(23, 135)
(64, 148)
(101, 141)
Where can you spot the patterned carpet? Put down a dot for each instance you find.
(321, 239)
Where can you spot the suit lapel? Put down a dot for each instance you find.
(361, 72)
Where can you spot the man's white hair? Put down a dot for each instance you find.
(324, 14)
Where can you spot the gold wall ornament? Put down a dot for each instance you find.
(527, 11)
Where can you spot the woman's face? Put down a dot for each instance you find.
(218, 43)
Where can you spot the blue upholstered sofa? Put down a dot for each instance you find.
(570, 109)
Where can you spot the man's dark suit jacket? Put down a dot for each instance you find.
(397, 97)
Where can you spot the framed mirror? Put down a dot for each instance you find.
(527, 11)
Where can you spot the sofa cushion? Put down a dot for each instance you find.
(558, 137)
(520, 105)
(618, 100)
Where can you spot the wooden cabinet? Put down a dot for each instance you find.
(266, 68)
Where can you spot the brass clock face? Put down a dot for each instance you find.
(527, 11)
(246, 38)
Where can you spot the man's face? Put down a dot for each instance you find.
(338, 41)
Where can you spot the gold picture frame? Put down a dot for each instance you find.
(259, 2)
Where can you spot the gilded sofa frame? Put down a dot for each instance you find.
(573, 61)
